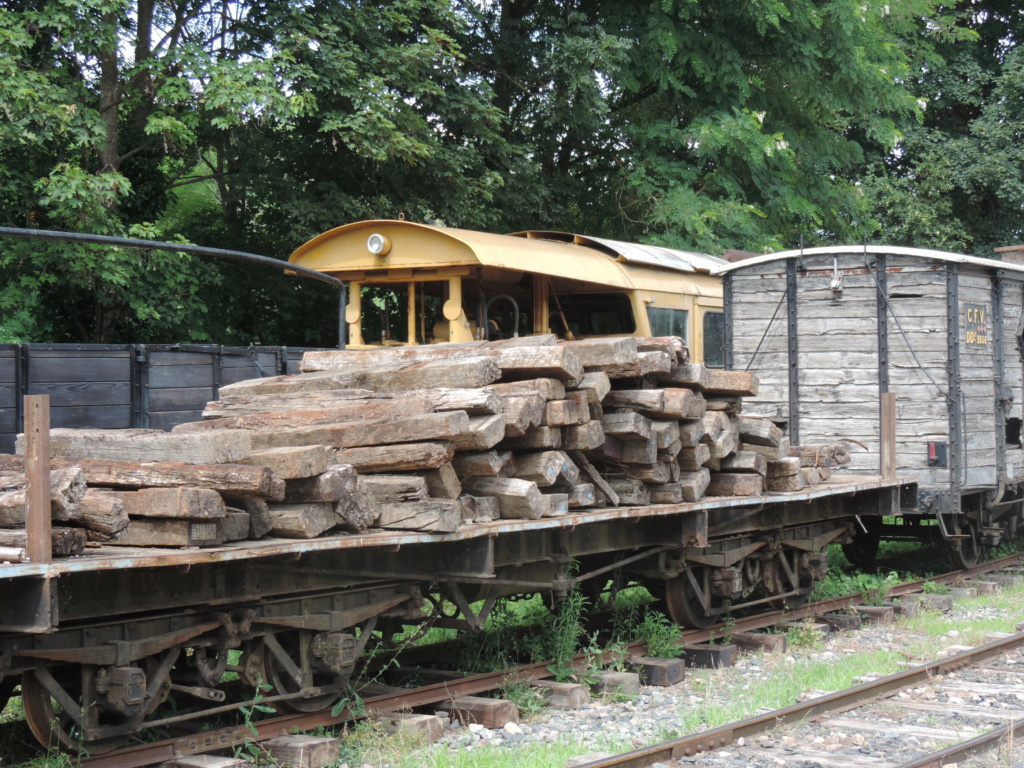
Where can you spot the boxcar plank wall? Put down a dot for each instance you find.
(1013, 372)
(977, 380)
(841, 349)
(131, 385)
(838, 400)
(916, 326)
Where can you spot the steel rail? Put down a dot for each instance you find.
(142, 755)
(810, 710)
(1011, 733)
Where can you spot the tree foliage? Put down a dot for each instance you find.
(257, 124)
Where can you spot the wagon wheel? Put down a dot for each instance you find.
(281, 675)
(969, 553)
(863, 550)
(50, 723)
(688, 597)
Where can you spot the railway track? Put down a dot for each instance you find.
(139, 756)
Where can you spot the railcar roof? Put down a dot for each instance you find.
(895, 250)
(651, 255)
(423, 245)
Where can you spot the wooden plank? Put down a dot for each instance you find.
(236, 480)
(743, 383)
(482, 433)
(595, 477)
(745, 461)
(519, 499)
(484, 464)
(548, 389)
(302, 521)
(604, 352)
(179, 376)
(292, 462)
(396, 458)
(219, 447)
(80, 393)
(735, 484)
(366, 404)
(694, 376)
(536, 438)
(336, 483)
(393, 488)
(437, 516)
(171, 533)
(180, 503)
(80, 366)
(694, 484)
(595, 384)
(443, 482)
(583, 437)
(627, 426)
(430, 426)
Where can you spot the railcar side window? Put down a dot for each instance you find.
(714, 340)
(669, 322)
(594, 314)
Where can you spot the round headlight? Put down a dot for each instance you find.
(378, 245)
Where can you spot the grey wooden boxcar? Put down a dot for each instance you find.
(830, 329)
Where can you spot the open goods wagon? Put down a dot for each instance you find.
(125, 639)
(829, 330)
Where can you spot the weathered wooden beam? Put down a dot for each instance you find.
(347, 404)
(397, 458)
(292, 462)
(215, 447)
(302, 521)
(735, 484)
(518, 499)
(180, 503)
(431, 426)
(64, 542)
(436, 516)
(395, 488)
(335, 483)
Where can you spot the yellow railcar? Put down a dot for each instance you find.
(414, 283)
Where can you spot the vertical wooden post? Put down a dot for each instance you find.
(37, 477)
(411, 323)
(887, 436)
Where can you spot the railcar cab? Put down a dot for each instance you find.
(413, 283)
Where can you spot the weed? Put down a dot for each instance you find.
(935, 588)
(664, 638)
(528, 699)
(562, 637)
(806, 635)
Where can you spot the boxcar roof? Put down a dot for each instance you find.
(895, 250)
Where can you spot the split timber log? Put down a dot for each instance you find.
(760, 432)
(279, 419)
(785, 483)
(671, 345)
(595, 477)
(168, 532)
(547, 389)
(431, 426)
(396, 458)
(235, 480)
(466, 372)
(583, 437)
(521, 413)
(546, 468)
(669, 493)
(694, 485)
(302, 521)
(179, 503)
(443, 482)
(103, 515)
(735, 484)
(770, 452)
(259, 515)
(785, 467)
(292, 462)
(359, 511)
(484, 464)
(628, 426)
(581, 495)
(631, 492)
(475, 402)
(556, 504)
(561, 413)
(433, 515)
(336, 483)
(216, 447)
(395, 488)
(535, 438)
(745, 461)
(665, 433)
(519, 499)
(67, 487)
(482, 433)
(605, 353)
(515, 362)
(65, 541)
(692, 459)
(595, 384)
(693, 376)
(822, 456)
(732, 383)
(350, 405)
